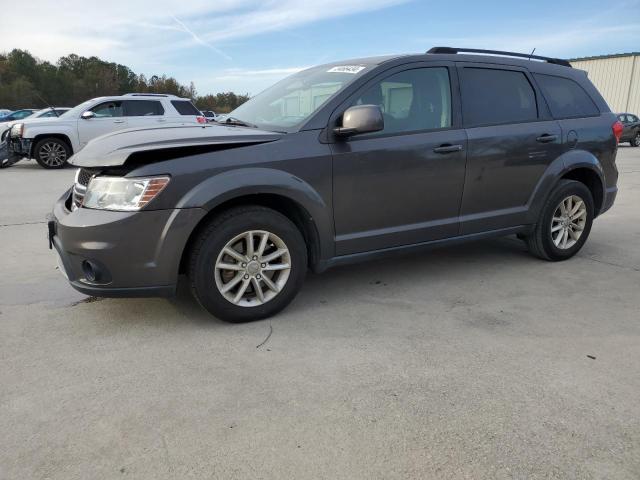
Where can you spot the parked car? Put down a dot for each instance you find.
(44, 113)
(50, 112)
(341, 163)
(51, 141)
(4, 112)
(16, 115)
(631, 132)
(210, 115)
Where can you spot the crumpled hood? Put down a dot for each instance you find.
(115, 148)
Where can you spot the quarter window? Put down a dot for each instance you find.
(108, 109)
(185, 107)
(492, 97)
(143, 108)
(566, 98)
(412, 100)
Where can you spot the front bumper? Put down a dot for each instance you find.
(121, 254)
(19, 147)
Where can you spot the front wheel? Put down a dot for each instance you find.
(247, 264)
(52, 153)
(564, 223)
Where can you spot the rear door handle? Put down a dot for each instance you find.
(546, 138)
(118, 121)
(447, 148)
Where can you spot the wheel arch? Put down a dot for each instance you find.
(41, 136)
(280, 191)
(578, 165)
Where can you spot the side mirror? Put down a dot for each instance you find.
(360, 119)
(88, 115)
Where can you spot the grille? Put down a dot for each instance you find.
(83, 177)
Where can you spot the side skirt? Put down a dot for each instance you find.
(419, 247)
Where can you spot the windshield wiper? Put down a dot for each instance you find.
(238, 122)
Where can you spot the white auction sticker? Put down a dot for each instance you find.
(346, 69)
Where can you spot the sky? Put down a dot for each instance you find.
(247, 45)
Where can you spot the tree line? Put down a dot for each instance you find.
(27, 82)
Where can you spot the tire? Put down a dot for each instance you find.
(542, 242)
(230, 229)
(635, 141)
(52, 153)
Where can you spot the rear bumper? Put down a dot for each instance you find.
(609, 198)
(121, 254)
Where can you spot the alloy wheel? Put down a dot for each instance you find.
(636, 140)
(52, 154)
(252, 268)
(568, 222)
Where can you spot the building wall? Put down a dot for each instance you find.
(617, 78)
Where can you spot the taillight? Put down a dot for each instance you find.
(201, 120)
(617, 130)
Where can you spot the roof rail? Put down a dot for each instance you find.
(556, 61)
(147, 95)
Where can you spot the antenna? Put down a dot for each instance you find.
(47, 104)
(531, 54)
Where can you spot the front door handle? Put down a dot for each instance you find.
(546, 138)
(118, 121)
(447, 148)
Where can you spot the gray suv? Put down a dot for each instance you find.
(341, 163)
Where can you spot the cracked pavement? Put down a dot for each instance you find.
(476, 361)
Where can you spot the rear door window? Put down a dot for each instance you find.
(493, 97)
(565, 97)
(184, 107)
(143, 108)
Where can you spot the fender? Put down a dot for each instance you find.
(237, 183)
(562, 165)
(32, 131)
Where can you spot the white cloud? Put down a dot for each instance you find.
(153, 36)
(124, 30)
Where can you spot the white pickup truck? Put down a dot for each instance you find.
(51, 141)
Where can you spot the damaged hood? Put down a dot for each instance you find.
(115, 148)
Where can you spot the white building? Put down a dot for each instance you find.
(617, 77)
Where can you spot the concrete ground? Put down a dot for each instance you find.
(477, 361)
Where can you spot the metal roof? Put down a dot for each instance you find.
(603, 57)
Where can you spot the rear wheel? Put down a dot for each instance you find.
(635, 141)
(52, 153)
(564, 224)
(247, 264)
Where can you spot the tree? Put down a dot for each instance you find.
(26, 82)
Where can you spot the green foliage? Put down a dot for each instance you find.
(25, 81)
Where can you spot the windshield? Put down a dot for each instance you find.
(290, 102)
(77, 110)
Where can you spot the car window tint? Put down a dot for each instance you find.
(492, 96)
(108, 109)
(184, 107)
(632, 118)
(412, 100)
(143, 108)
(565, 97)
(622, 118)
(20, 115)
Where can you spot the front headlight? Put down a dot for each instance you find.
(17, 129)
(120, 193)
